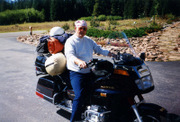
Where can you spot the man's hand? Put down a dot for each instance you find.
(111, 54)
(80, 63)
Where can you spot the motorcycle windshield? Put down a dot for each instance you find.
(121, 43)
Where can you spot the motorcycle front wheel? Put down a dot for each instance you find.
(151, 118)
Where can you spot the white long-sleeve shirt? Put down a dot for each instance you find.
(81, 48)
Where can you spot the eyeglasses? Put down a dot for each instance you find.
(83, 28)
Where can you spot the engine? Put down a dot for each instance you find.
(96, 113)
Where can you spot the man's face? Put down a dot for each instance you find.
(81, 31)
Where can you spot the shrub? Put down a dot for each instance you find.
(94, 23)
(113, 22)
(86, 18)
(101, 18)
(98, 33)
(65, 26)
(170, 18)
(114, 18)
(138, 32)
(154, 27)
(21, 16)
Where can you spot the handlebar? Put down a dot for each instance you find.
(92, 62)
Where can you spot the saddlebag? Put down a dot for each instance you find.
(40, 64)
(49, 87)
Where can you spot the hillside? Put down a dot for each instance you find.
(163, 45)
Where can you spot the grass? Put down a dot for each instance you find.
(35, 26)
(122, 24)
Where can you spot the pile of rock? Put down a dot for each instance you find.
(163, 45)
(30, 39)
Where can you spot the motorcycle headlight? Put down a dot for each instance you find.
(145, 82)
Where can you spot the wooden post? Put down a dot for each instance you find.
(30, 30)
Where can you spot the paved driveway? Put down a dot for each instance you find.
(18, 102)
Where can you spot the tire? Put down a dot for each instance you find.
(173, 117)
(152, 118)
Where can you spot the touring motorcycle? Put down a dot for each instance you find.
(117, 93)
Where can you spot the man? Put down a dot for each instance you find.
(79, 50)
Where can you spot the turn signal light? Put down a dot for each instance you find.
(103, 94)
(121, 72)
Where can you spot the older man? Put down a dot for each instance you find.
(79, 49)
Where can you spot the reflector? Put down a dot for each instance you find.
(39, 94)
(121, 72)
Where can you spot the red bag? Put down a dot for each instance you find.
(54, 46)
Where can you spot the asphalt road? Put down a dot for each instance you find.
(18, 102)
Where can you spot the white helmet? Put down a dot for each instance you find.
(56, 64)
(56, 31)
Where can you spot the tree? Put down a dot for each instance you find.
(98, 8)
(88, 5)
(53, 10)
(4, 5)
(174, 7)
(46, 9)
(74, 9)
(37, 4)
(154, 10)
(140, 8)
(130, 9)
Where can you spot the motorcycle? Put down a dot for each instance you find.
(117, 93)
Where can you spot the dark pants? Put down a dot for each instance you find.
(81, 84)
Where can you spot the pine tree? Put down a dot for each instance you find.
(53, 10)
(88, 5)
(46, 8)
(129, 9)
(96, 8)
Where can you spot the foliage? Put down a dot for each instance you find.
(137, 32)
(113, 22)
(114, 18)
(98, 33)
(170, 18)
(21, 16)
(62, 10)
(154, 27)
(94, 22)
(101, 18)
(65, 26)
(97, 8)
(86, 18)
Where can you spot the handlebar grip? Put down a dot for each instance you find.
(82, 68)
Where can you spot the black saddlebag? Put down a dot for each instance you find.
(49, 87)
(40, 64)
